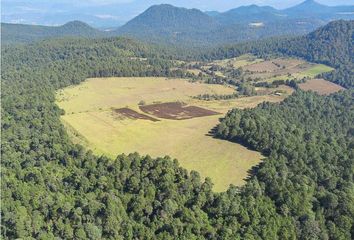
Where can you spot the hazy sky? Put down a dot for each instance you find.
(54, 12)
(219, 5)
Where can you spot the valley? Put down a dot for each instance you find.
(233, 123)
(175, 117)
(94, 121)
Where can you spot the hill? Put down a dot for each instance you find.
(331, 44)
(251, 13)
(313, 9)
(309, 9)
(170, 19)
(191, 27)
(21, 33)
(53, 188)
(166, 23)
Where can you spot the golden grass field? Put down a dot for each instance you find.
(91, 122)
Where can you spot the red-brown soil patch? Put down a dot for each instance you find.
(278, 66)
(320, 86)
(129, 113)
(266, 66)
(176, 111)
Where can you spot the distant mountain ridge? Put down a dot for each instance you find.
(168, 17)
(21, 33)
(173, 25)
(168, 24)
(306, 9)
(331, 44)
(249, 13)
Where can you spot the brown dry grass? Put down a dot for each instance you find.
(320, 86)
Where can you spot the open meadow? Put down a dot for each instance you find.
(320, 86)
(158, 116)
(262, 70)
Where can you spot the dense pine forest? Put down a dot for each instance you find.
(52, 188)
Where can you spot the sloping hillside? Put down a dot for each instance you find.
(191, 27)
(21, 33)
(331, 44)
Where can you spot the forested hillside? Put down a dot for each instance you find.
(21, 33)
(331, 45)
(308, 173)
(304, 10)
(53, 188)
(190, 27)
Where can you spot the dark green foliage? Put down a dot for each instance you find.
(193, 28)
(331, 45)
(190, 27)
(21, 33)
(308, 173)
(52, 188)
(209, 97)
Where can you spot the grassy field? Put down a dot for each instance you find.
(105, 93)
(308, 70)
(313, 71)
(261, 70)
(91, 121)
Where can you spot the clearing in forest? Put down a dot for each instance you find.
(257, 70)
(320, 86)
(123, 115)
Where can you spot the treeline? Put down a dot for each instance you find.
(52, 188)
(23, 33)
(331, 45)
(308, 141)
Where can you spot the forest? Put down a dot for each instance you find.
(52, 188)
(331, 44)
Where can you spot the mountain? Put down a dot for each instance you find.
(21, 33)
(168, 19)
(251, 13)
(331, 44)
(180, 26)
(190, 27)
(53, 188)
(303, 12)
(309, 7)
(313, 9)
(212, 13)
(167, 24)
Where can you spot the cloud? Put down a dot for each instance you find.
(106, 16)
(104, 2)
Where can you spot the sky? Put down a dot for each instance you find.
(117, 12)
